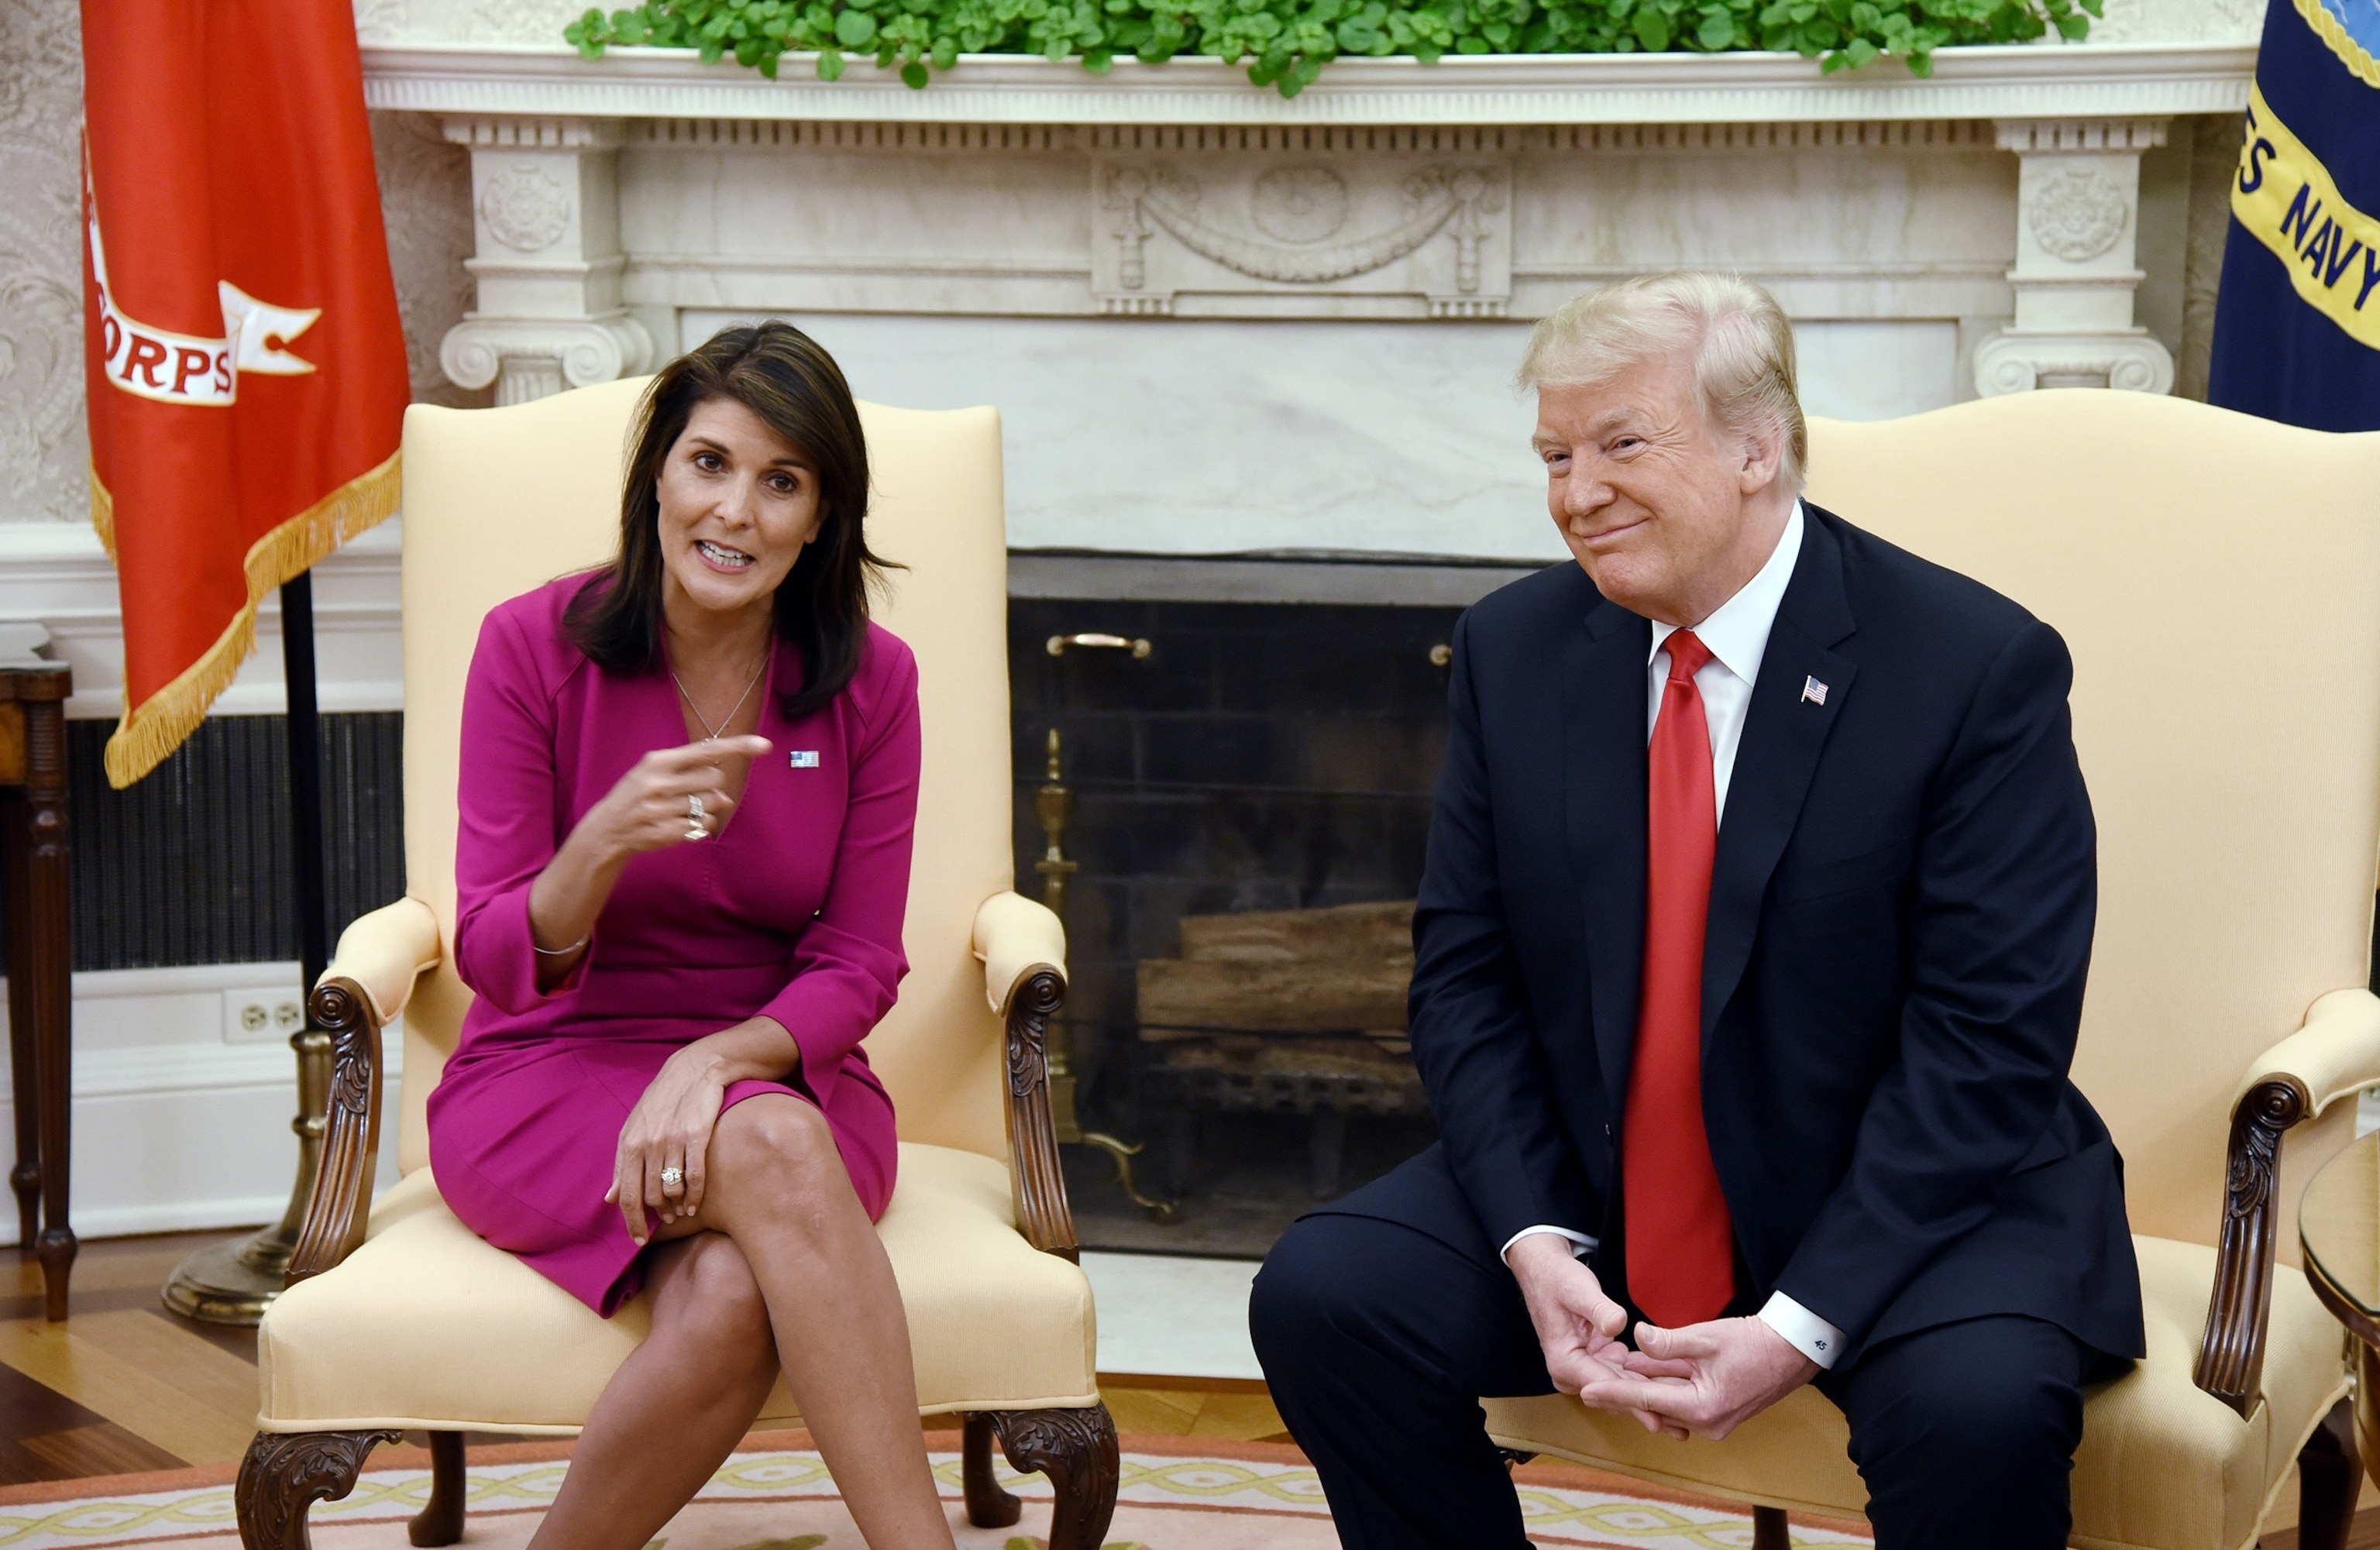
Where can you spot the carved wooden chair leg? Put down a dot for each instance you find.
(1769, 1531)
(1076, 1448)
(286, 1472)
(987, 1505)
(2330, 1476)
(440, 1521)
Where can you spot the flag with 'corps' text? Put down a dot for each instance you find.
(244, 363)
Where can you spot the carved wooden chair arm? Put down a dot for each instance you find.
(1022, 948)
(2335, 1054)
(368, 981)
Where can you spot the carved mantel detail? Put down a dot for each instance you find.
(2079, 191)
(602, 242)
(1347, 235)
(2078, 214)
(545, 209)
(526, 207)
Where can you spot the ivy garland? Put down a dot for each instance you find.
(1287, 43)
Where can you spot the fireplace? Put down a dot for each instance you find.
(1244, 748)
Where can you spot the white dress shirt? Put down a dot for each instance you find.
(1737, 634)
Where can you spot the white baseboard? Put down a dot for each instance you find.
(174, 1128)
(193, 1215)
(55, 574)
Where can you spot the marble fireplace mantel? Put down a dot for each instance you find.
(1142, 265)
(2020, 81)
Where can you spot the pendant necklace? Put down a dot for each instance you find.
(698, 826)
(711, 733)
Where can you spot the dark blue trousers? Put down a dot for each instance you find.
(1378, 1337)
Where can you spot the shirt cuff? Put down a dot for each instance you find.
(1580, 1243)
(1803, 1329)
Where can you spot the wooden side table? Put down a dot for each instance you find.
(2339, 1226)
(40, 961)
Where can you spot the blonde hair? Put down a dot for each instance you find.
(1742, 347)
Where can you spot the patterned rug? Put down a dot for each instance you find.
(1178, 1494)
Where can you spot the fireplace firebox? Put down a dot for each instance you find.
(1225, 765)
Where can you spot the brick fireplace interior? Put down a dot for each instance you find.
(1248, 808)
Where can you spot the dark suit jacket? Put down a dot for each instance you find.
(1899, 929)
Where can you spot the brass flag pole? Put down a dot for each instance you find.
(233, 1282)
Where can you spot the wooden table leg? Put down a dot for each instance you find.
(16, 833)
(2367, 1408)
(49, 961)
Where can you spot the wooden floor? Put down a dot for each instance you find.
(125, 1386)
(2365, 1535)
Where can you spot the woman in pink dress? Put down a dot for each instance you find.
(688, 787)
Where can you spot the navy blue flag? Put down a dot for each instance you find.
(2297, 321)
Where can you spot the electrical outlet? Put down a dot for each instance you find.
(261, 1016)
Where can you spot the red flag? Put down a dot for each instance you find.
(245, 368)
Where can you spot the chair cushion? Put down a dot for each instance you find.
(427, 1326)
(2163, 1466)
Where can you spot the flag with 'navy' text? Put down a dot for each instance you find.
(2297, 321)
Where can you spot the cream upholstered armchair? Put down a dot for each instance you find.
(2218, 578)
(398, 1319)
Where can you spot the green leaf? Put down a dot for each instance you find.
(1286, 44)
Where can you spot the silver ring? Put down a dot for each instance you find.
(696, 827)
(673, 1179)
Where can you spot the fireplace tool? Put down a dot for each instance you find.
(1053, 802)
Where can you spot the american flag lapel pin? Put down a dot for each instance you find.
(1813, 692)
(805, 759)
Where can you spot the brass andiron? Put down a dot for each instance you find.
(1052, 803)
(231, 1283)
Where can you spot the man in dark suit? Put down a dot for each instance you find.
(1749, 960)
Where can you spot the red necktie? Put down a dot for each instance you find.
(1681, 1243)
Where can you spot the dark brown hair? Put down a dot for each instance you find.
(781, 374)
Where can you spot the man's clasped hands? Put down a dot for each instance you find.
(1704, 1380)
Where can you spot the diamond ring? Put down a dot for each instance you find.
(696, 829)
(673, 1180)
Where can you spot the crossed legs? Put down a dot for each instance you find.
(781, 1268)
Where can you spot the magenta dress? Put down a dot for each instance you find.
(793, 913)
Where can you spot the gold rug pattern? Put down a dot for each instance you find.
(1174, 1496)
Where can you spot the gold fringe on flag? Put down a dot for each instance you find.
(154, 729)
(103, 513)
